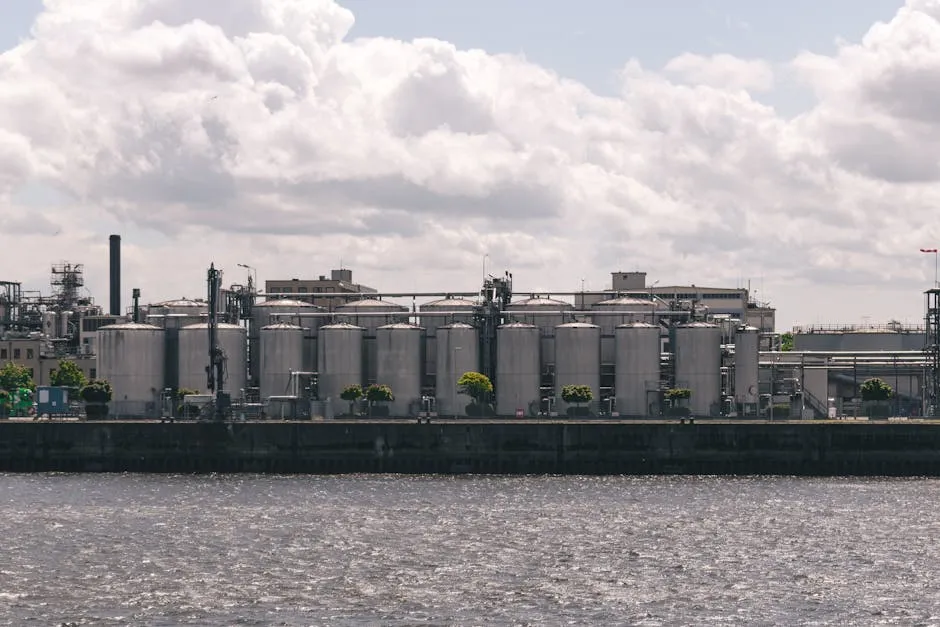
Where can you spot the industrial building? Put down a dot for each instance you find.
(291, 351)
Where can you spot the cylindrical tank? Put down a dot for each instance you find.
(518, 369)
(282, 311)
(130, 357)
(49, 325)
(370, 314)
(746, 369)
(546, 314)
(636, 382)
(340, 349)
(697, 348)
(577, 360)
(281, 347)
(459, 351)
(399, 351)
(614, 312)
(194, 357)
(464, 309)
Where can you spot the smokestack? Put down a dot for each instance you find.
(115, 275)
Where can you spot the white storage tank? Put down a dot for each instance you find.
(340, 348)
(399, 351)
(546, 314)
(518, 369)
(177, 314)
(463, 309)
(614, 312)
(370, 314)
(746, 369)
(194, 357)
(459, 351)
(637, 375)
(697, 348)
(130, 358)
(282, 353)
(577, 360)
(285, 311)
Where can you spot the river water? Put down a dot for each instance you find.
(278, 550)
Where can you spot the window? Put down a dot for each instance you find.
(16, 353)
(32, 375)
(30, 353)
(4, 353)
(93, 373)
(302, 290)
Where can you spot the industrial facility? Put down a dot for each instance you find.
(291, 350)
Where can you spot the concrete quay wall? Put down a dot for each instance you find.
(507, 447)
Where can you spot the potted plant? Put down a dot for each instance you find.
(677, 397)
(876, 394)
(577, 395)
(96, 394)
(378, 395)
(351, 394)
(479, 388)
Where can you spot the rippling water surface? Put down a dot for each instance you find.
(165, 550)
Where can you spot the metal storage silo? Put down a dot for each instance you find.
(746, 369)
(130, 357)
(280, 311)
(178, 313)
(546, 314)
(639, 348)
(340, 349)
(518, 369)
(194, 357)
(459, 351)
(615, 312)
(697, 348)
(577, 359)
(399, 352)
(281, 347)
(370, 314)
(464, 313)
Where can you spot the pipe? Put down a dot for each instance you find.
(115, 278)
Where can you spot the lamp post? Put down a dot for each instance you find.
(453, 367)
(252, 283)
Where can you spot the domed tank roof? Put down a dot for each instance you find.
(637, 325)
(457, 325)
(181, 302)
(341, 326)
(371, 303)
(130, 326)
(401, 326)
(283, 302)
(697, 325)
(517, 325)
(282, 326)
(538, 301)
(577, 325)
(450, 303)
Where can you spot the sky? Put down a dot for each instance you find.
(785, 146)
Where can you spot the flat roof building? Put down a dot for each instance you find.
(307, 290)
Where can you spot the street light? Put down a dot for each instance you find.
(250, 271)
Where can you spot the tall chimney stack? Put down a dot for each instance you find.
(115, 275)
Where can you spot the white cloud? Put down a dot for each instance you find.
(723, 71)
(261, 134)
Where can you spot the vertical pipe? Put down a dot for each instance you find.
(115, 274)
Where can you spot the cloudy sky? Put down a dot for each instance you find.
(789, 145)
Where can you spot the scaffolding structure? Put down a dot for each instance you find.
(932, 352)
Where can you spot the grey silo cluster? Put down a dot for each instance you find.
(518, 368)
(747, 368)
(400, 364)
(194, 351)
(281, 351)
(458, 351)
(638, 367)
(370, 314)
(458, 310)
(340, 359)
(697, 349)
(540, 312)
(614, 312)
(132, 357)
(284, 311)
(172, 316)
(577, 359)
